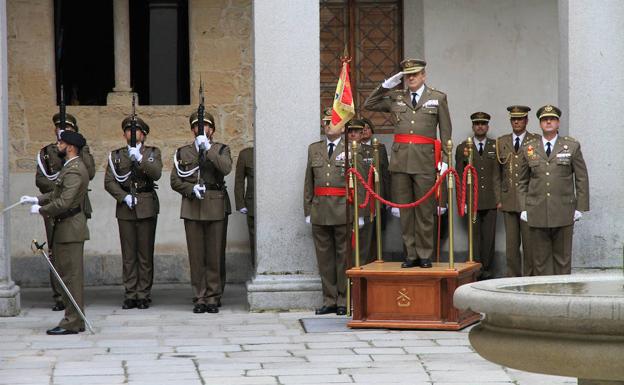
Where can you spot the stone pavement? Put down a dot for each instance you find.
(168, 344)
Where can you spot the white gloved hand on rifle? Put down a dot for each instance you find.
(396, 212)
(24, 199)
(393, 80)
(135, 154)
(202, 142)
(523, 216)
(34, 209)
(199, 191)
(128, 201)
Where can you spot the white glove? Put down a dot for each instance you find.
(442, 167)
(34, 209)
(243, 210)
(135, 154)
(199, 191)
(202, 142)
(128, 201)
(441, 210)
(523, 216)
(28, 199)
(395, 212)
(393, 80)
(577, 215)
(307, 220)
(361, 222)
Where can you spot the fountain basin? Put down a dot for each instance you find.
(563, 325)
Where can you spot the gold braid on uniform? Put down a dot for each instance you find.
(502, 163)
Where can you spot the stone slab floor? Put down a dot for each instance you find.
(168, 344)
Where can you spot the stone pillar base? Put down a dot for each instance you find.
(284, 292)
(598, 382)
(121, 98)
(9, 300)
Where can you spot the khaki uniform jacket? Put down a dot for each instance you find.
(547, 185)
(510, 169)
(430, 113)
(216, 165)
(487, 172)
(244, 196)
(52, 161)
(69, 192)
(147, 172)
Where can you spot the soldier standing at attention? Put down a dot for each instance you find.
(198, 175)
(244, 193)
(65, 206)
(418, 112)
(554, 188)
(509, 155)
(49, 164)
(130, 179)
(484, 161)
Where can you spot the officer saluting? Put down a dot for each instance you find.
(49, 164)
(65, 207)
(130, 179)
(554, 188)
(198, 175)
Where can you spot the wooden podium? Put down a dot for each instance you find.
(387, 296)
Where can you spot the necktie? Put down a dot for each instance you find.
(480, 148)
(414, 101)
(331, 149)
(517, 145)
(548, 149)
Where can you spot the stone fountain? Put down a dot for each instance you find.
(570, 325)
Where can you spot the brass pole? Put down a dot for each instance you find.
(377, 203)
(470, 202)
(356, 209)
(451, 186)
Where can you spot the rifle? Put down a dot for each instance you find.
(133, 143)
(200, 130)
(62, 110)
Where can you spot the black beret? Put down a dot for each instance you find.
(73, 138)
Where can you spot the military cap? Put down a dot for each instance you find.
(141, 125)
(518, 111)
(73, 138)
(413, 66)
(370, 124)
(327, 113)
(548, 110)
(208, 118)
(69, 119)
(355, 124)
(480, 117)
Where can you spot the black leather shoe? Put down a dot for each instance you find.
(407, 264)
(219, 303)
(58, 306)
(142, 303)
(129, 304)
(341, 310)
(212, 308)
(426, 263)
(59, 331)
(199, 308)
(325, 310)
(81, 330)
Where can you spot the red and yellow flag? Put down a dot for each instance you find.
(343, 109)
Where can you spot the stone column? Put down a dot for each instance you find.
(287, 119)
(9, 292)
(591, 91)
(122, 92)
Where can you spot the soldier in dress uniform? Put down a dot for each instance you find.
(418, 112)
(49, 164)
(198, 175)
(130, 179)
(486, 165)
(509, 155)
(244, 193)
(65, 207)
(554, 188)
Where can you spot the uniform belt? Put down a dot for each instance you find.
(214, 186)
(419, 139)
(330, 191)
(67, 214)
(139, 189)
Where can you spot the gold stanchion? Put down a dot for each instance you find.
(451, 187)
(470, 202)
(377, 203)
(356, 209)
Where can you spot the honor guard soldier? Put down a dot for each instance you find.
(488, 183)
(554, 188)
(509, 154)
(65, 207)
(418, 112)
(244, 193)
(49, 164)
(130, 178)
(198, 175)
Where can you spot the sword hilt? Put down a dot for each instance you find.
(36, 245)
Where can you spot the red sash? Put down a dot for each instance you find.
(419, 139)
